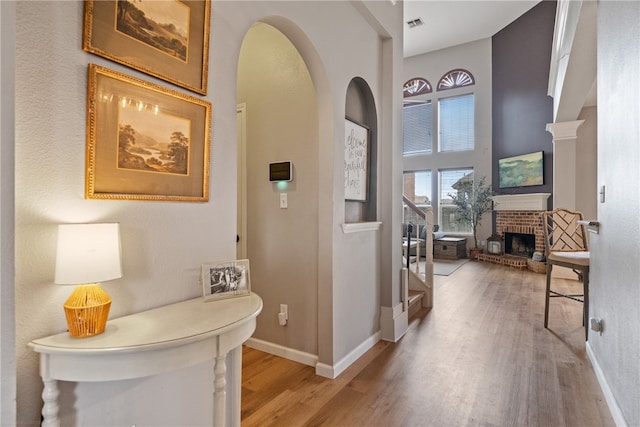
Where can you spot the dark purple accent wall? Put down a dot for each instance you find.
(521, 54)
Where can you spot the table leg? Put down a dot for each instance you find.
(51, 406)
(219, 391)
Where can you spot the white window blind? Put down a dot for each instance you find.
(456, 123)
(417, 126)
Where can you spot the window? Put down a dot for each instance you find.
(456, 123)
(417, 126)
(438, 124)
(417, 187)
(415, 87)
(451, 182)
(456, 78)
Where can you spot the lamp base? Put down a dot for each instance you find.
(87, 310)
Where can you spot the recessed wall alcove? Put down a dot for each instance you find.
(360, 108)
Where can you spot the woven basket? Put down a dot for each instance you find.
(537, 266)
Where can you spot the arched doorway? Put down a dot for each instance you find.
(282, 238)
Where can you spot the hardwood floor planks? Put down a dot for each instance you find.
(481, 357)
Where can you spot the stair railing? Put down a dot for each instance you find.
(417, 280)
(420, 213)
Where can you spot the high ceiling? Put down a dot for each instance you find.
(453, 22)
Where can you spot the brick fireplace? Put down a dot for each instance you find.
(522, 222)
(520, 214)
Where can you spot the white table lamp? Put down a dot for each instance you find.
(87, 254)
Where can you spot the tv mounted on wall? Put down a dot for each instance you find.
(521, 171)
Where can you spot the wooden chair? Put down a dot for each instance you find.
(566, 246)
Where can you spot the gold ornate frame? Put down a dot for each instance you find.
(141, 50)
(162, 155)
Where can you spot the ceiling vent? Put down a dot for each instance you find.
(415, 22)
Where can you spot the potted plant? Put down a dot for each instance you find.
(472, 200)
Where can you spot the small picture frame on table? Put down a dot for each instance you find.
(226, 279)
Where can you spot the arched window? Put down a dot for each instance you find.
(416, 86)
(456, 78)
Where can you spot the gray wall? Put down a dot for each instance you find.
(7, 271)
(521, 107)
(282, 124)
(615, 268)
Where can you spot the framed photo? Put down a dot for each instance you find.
(168, 39)
(356, 161)
(225, 279)
(144, 141)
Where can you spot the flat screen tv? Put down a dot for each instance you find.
(521, 171)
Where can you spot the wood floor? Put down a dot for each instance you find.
(480, 357)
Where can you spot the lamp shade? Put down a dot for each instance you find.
(88, 253)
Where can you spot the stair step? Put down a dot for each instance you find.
(415, 301)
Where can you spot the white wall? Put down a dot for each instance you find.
(615, 265)
(586, 191)
(165, 243)
(476, 58)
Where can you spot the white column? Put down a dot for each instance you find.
(565, 136)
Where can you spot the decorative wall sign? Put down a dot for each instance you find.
(225, 279)
(144, 141)
(356, 161)
(168, 39)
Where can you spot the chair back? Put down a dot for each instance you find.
(562, 233)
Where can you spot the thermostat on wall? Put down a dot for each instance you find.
(280, 171)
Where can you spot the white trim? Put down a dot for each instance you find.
(357, 227)
(282, 351)
(616, 412)
(394, 322)
(521, 202)
(328, 371)
(564, 131)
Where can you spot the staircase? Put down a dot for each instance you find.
(419, 281)
(415, 302)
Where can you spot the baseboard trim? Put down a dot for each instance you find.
(616, 413)
(394, 322)
(332, 372)
(282, 351)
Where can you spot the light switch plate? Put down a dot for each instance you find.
(284, 203)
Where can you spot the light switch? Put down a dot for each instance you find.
(284, 203)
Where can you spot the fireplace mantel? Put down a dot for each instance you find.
(521, 202)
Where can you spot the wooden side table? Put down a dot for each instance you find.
(151, 342)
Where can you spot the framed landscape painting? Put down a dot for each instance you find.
(168, 39)
(144, 141)
(227, 279)
(521, 171)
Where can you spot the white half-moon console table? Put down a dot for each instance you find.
(151, 342)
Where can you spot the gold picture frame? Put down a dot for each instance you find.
(144, 141)
(228, 279)
(168, 39)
